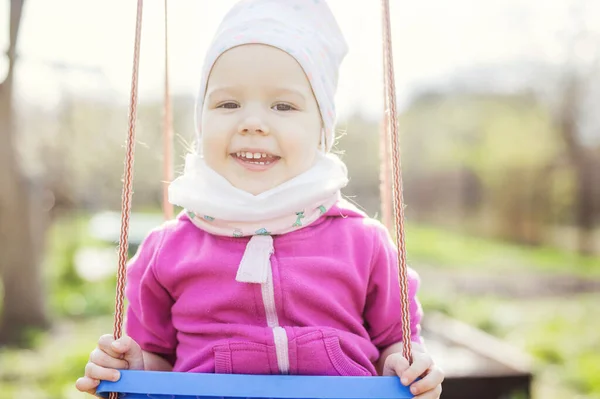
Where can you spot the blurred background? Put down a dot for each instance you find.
(500, 135)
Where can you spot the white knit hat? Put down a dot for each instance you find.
(305, 29)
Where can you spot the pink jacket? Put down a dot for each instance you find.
(330, 305)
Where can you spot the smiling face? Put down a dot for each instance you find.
(260, 121)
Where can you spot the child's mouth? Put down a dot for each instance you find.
(255, 160)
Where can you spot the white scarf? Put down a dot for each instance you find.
(214, 205)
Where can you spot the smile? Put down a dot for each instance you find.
(256, 161)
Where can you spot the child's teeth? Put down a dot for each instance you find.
(253, 156)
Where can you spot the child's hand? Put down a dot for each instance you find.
(109, 356)
(428, 387)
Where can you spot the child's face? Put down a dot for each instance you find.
(261, 123)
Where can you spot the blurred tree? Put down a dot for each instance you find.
(481, 157)
(573, 114)
(582, 159)
(21, 221)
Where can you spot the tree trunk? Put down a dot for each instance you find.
(585, 213)
(21, 225)
(581, 160)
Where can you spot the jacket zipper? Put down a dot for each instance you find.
(279, 334)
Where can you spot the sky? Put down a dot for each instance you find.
(85, 47)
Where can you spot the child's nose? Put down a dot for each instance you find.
(253, 125)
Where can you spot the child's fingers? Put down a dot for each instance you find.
(421, 363)
(124, 348)
(101, 373)
(431, 382)
(132, 353)
(394, 365)
(124, 345)
(103, 359)
(433, 394)
(87, 385)
(105, 343)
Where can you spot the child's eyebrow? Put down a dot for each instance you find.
(229, 90)
(218, 90)
(290, 90)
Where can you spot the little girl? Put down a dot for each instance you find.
(268, 271)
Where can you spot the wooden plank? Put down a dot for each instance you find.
(476, 364)
(494, 387)
(494, 351)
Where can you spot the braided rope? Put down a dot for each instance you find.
(397, 178)
(167, 132)
(385, 178)
(127, 185)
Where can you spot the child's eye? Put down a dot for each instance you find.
(229, 105)
(283, 107)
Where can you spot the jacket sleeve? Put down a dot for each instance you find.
(149, 311)
(383, 310)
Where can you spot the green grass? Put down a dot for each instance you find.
(49, 371)
(70, 294)
(425, 244)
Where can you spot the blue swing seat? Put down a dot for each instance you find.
(171, 385)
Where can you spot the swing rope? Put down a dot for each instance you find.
(385, 172)
(167, 132)
(390, 127)
(127, 185)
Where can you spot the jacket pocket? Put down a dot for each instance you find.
(245, 358)
(320, 353)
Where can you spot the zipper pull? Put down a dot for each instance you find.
(254, 267)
